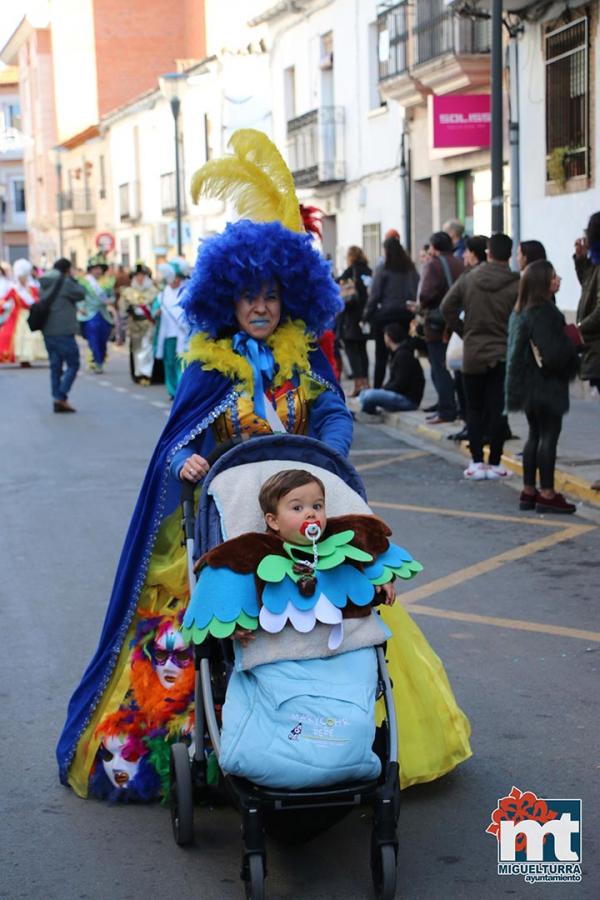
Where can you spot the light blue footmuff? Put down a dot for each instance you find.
(301, 724)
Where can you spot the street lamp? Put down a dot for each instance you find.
(169, 86)
(58, 151)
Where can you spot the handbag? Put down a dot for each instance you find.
(348, 289)
(39, 312)
(454, 352)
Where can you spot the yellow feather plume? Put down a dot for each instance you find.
(256, 180)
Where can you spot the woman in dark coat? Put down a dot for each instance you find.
(541, 360)
(355, 278)
(395, 282)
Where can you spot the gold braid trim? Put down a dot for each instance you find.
(290, 343)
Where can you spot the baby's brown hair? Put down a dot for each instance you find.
(280, 484)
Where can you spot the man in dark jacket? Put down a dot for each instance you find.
(404, 388)
(60, 329)
(438, 274)
(487, 295)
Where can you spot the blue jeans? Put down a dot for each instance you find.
(442, 380)
(62, 350)
(389, 400)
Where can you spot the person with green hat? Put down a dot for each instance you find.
(97, 313)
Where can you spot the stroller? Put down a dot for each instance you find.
(263, 809)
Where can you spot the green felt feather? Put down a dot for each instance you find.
(274, 568)
(357, 554)
(219, 629)
(246, 621)
(406, 571)
(194, 635)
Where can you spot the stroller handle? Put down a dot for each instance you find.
(188, 488)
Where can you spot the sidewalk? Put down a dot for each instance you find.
(578, 462)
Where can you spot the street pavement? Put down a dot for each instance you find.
(509, 601)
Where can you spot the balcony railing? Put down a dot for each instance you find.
(435, 35)
(449, 33)
(78, 208)
(78, 201)
(393, 41)
(315, 146)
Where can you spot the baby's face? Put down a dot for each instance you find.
(303, 504)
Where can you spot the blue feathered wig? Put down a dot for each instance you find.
(248, 255)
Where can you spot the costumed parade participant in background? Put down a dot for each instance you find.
(96, 313)
(137, 300)
(259, 298)
(17, 342)
(172, 329)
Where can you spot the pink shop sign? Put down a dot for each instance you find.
(461, 120)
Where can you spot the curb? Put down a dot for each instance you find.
(565, 481)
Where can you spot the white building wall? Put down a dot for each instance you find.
(556, 220)
(371, 192)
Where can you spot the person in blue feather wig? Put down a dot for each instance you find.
(245, 257)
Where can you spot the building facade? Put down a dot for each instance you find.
(14, 240)
(558, 75)
(341, 138)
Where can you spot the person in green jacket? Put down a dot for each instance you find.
(541, 360)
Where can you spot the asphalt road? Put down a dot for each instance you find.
(508, 600)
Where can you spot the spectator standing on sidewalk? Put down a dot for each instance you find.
(487, 295)
(528, 252)
(395, 283)
(353, 282)
(456, 230)
(404, 388)
(541, 360)
(437, 276)
(587, 266)
(59, 331)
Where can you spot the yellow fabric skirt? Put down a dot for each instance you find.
(433, 732)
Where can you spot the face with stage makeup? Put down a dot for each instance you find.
(121, 756)
(171, 655)
(259, 314)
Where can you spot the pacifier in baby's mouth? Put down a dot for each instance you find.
(311, 530)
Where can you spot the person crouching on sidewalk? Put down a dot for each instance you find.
(403, 391)
(541, 361)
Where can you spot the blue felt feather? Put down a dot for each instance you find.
(345, 582)
(221, 593)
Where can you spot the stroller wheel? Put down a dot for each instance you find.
(182, 796)
(383, 868)
(255, 877)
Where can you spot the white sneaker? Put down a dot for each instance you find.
(477, 471)
(496, 472)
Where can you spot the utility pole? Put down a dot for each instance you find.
(497, 160)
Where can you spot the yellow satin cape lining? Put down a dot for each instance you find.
(433, 732)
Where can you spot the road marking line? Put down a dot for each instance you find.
(103, 383)
(517, 624)
(138, 396)
(494, 562)
(160, 404)
(467, 514)
(399, 457)
(373, 452)
(121, 390)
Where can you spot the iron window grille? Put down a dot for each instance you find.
(371, 242)
(567, 101)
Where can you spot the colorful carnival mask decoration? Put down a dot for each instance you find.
(122, 769)
(162, 670)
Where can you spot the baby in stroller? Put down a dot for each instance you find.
(298, 601)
